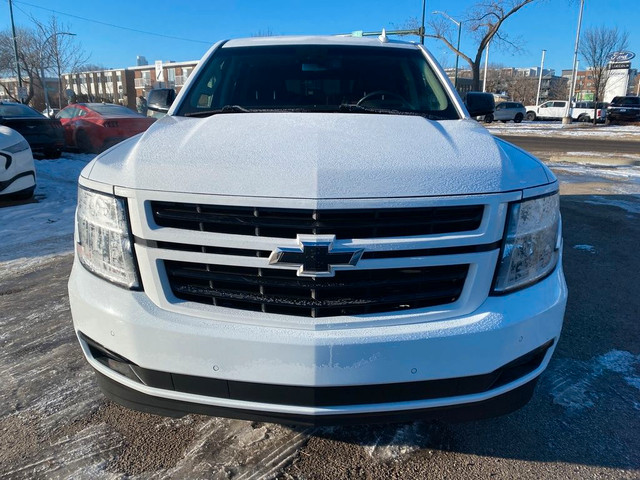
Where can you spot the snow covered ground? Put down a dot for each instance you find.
(627, 132)
(43, 228)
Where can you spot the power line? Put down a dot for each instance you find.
(113, 25)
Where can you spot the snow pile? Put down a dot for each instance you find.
(628, 132)
(44, 227)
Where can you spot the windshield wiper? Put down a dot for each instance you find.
(354, 108)
(225, 109)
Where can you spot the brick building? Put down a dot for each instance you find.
(124, 85)
(9, 91)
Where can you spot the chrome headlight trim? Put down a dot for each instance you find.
(531, 243)
(103, 242)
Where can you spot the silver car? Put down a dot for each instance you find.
(506, 111)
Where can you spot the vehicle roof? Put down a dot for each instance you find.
(346, 40)
(94, 104)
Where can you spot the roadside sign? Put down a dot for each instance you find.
(22, 93)
(617, 57)
(159, 72)
(619, 65)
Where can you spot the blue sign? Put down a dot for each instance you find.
(621, 56)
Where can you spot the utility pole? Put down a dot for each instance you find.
(567, 114)
(15, 46)
(540, 78)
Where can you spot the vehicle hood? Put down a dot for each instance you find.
(317, 156)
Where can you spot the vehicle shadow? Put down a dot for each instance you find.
(585, 407)
(13, 203)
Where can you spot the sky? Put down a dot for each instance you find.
(185, 30)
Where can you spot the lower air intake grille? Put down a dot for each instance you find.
(350, 292)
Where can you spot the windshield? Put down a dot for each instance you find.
(318, 78)
(18, 110)
(625, 101)
(109, 109)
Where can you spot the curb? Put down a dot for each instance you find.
(633, 161)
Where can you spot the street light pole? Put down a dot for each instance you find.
(424, 6)
(43, 81)
(459, 24)
(486, 65)
(457, 54)
(567, 114)
(540, 78)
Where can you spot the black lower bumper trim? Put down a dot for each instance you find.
(499, 405)
(321, 396)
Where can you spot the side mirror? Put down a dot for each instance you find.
(160, 99)
(479, 103)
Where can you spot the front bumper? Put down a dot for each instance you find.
(399, 372)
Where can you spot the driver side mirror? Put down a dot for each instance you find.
(160, 99)
(479, 103)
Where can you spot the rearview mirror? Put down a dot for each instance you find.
(159, 101)
(479, 103)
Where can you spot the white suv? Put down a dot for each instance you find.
(506, 111)
(317, 232)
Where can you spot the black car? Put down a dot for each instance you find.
(625, 109)
(45, 135)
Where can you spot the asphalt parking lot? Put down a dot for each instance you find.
(583, 421)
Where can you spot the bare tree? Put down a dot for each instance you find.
(28, 56)
(499, 79)
(596, 46)
(39, 48)
(483, 20)
(62, 52)
(88, 67)
(524, 89)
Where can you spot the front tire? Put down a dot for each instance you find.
(22, 195)
(52, 154)
(531, 116)
(488, 118)
(518, 118)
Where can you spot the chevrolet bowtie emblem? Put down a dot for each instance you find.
(316, 256)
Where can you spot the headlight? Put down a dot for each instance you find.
(531, 246)
(17, 147)
(104, 245)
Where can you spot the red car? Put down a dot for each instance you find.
(94, 127)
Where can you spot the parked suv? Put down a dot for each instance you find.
(624, 109)
(506, 111)
(317, 232)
